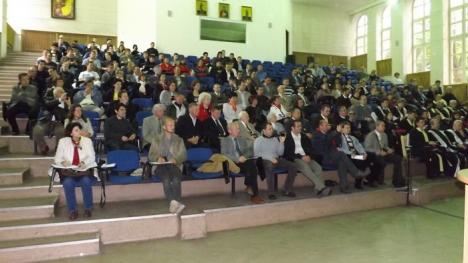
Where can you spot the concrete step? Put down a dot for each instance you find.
(38, 165)
(52, 248)
(24, 209)
(13, 176)
(22, 143)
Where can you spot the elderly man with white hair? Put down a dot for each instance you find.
(152, 125)
(247, 130)
(278, 128)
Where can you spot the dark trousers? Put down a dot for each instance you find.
(370, 162)
(47, 128)
(394, 159)
(18, 108)
(170, 176)
(344, 166)
(120, 145)
(268, 167)
(249, 169)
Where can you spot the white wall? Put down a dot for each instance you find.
(321, 30)
(181, 31)
(132, 26)
(92, 17)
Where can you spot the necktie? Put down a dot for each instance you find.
(248, 128)
(220, 127)
(159, 126)
(236, 142)
(76, 155)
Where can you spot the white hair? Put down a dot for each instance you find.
(203, 96)
(159, 106)
(270, 116)
(243, 113)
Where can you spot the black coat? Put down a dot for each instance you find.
(211, 132)
(290, 147)
(185, 129)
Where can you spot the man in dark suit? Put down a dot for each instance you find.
(298, 149)
(214, 128)
(240, 151)
(324, 115)
(119, 134)
(189, 128)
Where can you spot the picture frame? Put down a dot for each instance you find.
(223, 10)
(201, 7)
(63, 9)
(246, 13)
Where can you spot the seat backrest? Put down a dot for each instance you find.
(141, 115)
(143, 103)
(199, 154)
(125, 160)
(94, 118)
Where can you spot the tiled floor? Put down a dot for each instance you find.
(403, 234)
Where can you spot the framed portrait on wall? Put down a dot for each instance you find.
(223, 10)
(63, 9)
(246, 12)
(201, 7)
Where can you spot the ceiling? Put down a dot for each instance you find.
(349, 6)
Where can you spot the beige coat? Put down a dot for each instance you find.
(216, 165)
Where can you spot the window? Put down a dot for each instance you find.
(361, 36)
(458, 21)
(385, 33)
(421, 48)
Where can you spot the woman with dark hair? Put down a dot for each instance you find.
(76, 153)
(255, 113)
(192, 97)
(76, 116)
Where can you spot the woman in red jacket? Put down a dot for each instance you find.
(204, 106)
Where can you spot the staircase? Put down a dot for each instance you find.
(10, 66)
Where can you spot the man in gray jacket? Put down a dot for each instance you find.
(152, 125)
(270, 149)
(376, 142)
(168, 151)
(24, 99)
(240, 151)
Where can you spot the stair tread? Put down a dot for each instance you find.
(9, 171)
(28, 202)
(28, 182)
(48, 240)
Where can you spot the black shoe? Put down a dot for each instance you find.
(371, 184)
(272, 197)
(289, 194)
(358, 183)
(399, 184)
(326, 191)
(73, 215)
(345, 190)
(88, 213)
